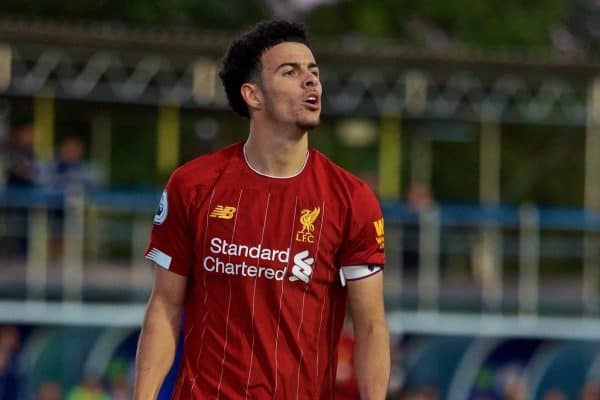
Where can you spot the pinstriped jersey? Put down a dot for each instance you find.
(265, 304)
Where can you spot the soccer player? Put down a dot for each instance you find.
(259, 246)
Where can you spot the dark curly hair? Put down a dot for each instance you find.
(242, 64)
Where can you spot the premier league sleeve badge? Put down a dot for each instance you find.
(163, 209)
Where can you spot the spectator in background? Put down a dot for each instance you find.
(590, 391)
(397, 374)
(346, 387)
(68, 172)
(428, 392)
(49, 390)
(20, 167)
(90, 389)
(119, 379)
(10, 339)
(70, 166)
(21, 174)
(120, 388)
(418, 199)
(510, 382)
(423, 392)
(554, 394)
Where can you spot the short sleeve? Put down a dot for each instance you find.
(171, 240)
(364, 240)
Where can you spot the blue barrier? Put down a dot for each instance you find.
(457, 215)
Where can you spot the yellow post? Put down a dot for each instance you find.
(390, 157)
(591, 240)
(6, 59)
(43, 125)
(101, 144)
(489, 250)
(489, 162)
(37, 253)
(168, 138)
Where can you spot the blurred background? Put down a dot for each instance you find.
(477, 124)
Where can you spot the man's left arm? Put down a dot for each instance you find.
(371, 336)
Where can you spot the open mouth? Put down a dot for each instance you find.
(312, 102)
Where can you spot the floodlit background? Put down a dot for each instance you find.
(476, 122)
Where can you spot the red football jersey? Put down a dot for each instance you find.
(265, 304)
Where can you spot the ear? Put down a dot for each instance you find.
(252, 95)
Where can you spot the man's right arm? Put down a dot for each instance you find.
(160, 331)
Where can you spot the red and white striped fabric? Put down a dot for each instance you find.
(264, 255)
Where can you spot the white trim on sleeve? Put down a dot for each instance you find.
(160, 258)
(356, 272)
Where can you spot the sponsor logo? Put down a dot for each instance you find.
(221, 252)
(379, 233)
(302, 268)
(223, 212)
(163, 209)
(222, 246)
(215, 264)
(307, 219)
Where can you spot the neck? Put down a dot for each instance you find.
(275, 153)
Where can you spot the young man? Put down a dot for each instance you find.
(260, 245)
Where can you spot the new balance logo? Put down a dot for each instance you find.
(222, 212)
(302, 267)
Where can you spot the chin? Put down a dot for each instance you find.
(307, 125)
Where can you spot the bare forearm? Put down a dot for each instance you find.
(372, 360)
(156, 349)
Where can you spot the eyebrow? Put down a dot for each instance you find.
(296, 65)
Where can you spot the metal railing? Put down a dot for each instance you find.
(74, 243)
(522, 260)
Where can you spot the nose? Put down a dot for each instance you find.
(311, 80)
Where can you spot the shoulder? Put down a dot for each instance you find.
(339, 179)
(205, 169)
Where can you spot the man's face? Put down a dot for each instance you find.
(290, 85)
